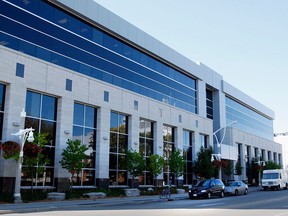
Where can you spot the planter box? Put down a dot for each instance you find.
(56, 196)
(132, 192)
(95, 195)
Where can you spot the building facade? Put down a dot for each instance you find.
(81, 72)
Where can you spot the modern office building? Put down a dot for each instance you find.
(82, 72)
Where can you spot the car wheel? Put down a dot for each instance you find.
(222, 194)
(236, 192)
(246, 191)
(209, 195)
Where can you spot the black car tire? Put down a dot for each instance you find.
(246, 192)
(222, 194)
(236, 192)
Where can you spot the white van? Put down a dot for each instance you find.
(275, 179)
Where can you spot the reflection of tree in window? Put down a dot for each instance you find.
(187, 155)
(168, 148)
(41, 111)
(146, 148)
(118, 147)
(84, 129)
(2, 100)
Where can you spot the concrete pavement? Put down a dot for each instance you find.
(70, 204)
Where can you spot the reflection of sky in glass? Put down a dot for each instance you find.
(78, 114)
(48, 107)
(33, 104)
(2, 87)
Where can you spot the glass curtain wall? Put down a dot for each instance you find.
(84, 129)
(118, 147)
(248, 120)
(168, 148)
(209, 104)
(41, 114)
(187, 154)
(2, 100)
(146, 140)
(43, 31)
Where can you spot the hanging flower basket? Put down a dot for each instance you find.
(216, 164)
(10, 149)
(32, 150)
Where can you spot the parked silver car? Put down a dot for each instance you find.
(236, 187)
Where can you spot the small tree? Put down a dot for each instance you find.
(176, 163)
(74, 157)
(155, 165)
(238, 168)
(272, 165)
(135, 164)
(228, 168)
(202, 165)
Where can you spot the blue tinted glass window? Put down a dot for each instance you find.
(2, 97)
(248, 120)
(49, 107)
(78, 118)
(90, 117)
(60, 18)
(43, 54)
(33, 104)
(98, 36)
(20, 70)
(78, 133)
(148, 77)
(114, 121)
(27, 48)
(106, 96)
(68, 85)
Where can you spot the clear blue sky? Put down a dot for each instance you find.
(245, 41)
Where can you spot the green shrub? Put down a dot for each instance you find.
(37, 195)
(6, 197)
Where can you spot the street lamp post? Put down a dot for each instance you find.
(24, 134)
(220, 143)
(217, 156)
(259, 162)
(168, 176)
(224, 127)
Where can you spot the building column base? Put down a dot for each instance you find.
(62, 184)
(9, 183)
(102, 183)
(133, 184)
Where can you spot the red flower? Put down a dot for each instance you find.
(10, 149)
(31, 150)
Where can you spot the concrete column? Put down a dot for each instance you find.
(133, 143)
(133, 131)
(102, 147)
(158, 145)
(243, 163)
(64, 130)
(12, 122)
(201, 96)
(179, 145)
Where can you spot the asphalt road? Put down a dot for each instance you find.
(260, 203)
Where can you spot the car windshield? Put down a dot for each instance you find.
(233, 183)
(204, 183)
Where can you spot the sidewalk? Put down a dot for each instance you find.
(70, 204)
